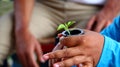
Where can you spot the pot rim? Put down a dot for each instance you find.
(79, 32)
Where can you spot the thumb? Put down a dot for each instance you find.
(71, 41)
(108, 23)
(91, 23)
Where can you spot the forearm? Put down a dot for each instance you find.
(111, 8)
(23, 9)
(113, 31)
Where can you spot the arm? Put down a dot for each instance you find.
(113, 31)
(91, 49)
(26, 43)
(103, 18)
(82, 49)
(111, 51)
(23, 9)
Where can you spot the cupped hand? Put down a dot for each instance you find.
(82, 49)
(27, 47)
(99, 21)
(88, 62)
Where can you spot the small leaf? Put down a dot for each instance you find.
(70, 23)
(66, 25)
(61, 26)
(6, 0)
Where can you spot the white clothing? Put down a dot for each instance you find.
(93, 2)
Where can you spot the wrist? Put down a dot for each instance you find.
(21, 31)
(111, 10)
(21, 27)
(106, 14)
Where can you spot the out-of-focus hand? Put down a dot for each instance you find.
(27, 46)
(99, 21)
(82, 49)
(104, 18)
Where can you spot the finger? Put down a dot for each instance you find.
(90, 23)
(73, 61)
(107, 23)
(31, 59)
(58, 47)
(65, 53)
(80, 65)
(71, 41)
(60, 35)
(39, 53)
(50, 62)
(22, 59)
(99, 26)
(87, 64)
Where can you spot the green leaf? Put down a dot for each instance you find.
(70, 23)
(66, 25)
(6, 0)
(61, 26)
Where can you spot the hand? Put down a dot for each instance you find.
(82, 49)
(59, 47)
(27, 46)
(52, 61)
(100, 21)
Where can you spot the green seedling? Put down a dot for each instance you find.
(5, 0)
(66, 26)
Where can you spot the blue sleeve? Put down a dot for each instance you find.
(110, 56)
(113, 31)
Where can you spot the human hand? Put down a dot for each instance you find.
(57, 47)
(88, 61)
(82, 49)
(27, 46)
(101, 20)
(52, 61)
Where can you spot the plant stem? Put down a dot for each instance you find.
(68, 31)
(66, 28)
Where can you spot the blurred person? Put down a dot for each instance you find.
(91, 49)
(33, 25)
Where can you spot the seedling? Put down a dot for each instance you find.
(66, 26)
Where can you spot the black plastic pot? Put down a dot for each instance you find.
(73, 31)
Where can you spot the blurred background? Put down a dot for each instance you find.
(5, 6)
(12, 60)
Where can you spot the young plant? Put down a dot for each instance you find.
(66, 26)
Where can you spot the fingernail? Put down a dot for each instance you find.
(81, 65)
(46, 57)
(42, 60)
(55, 65)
